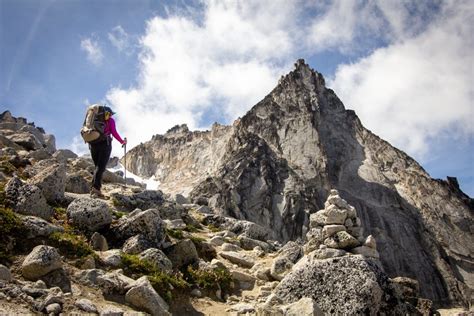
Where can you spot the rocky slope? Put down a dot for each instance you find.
(276, 165)
(139, 251)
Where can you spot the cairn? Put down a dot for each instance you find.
(336, 231)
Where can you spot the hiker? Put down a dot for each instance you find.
(100, 151)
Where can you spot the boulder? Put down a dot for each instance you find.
(76, 183)
(111, 258)
(147, 223)
(250, 230)
(39, 154)
(89, 214)
(238, 258)
(64, 154)
(250, 243)
(88, 276)
(348, 285)
(136, 244)
(86, 305)
(5, 274)
(325, 253)
(180, 199)
(26, 199)
(292, 251)
(281, 266)
(114, 282)
(38, 227)
(144, 297)
(144, 200)
(182, 253)
(41, 261)
(25, 140)
(341, 240)
(304, 307)
(98, 242)
(158, 258)
(52, 182)
(58, 278)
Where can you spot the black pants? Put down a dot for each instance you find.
(100, 153)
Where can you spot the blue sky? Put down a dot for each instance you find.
(405, 67)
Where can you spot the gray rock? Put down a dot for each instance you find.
(180, 199)
(5, 274)
(144, 297)
(217, 241)
(38, 227)
(25, 140)
(204, 209)
(158, 258)
(64, 155)
(76, 183)
(144, 200)
(40, 261)
(281, 266)
(98, 242)
(86, 305)
(58, 278)
(346, 285)
(251, 230)
(147, 223)
(26, 199)
(325, 253)
(89, 276)
(370, 242)
(54, 296)
(89, 214)
(230, 247)
(136, 244)
(329, 230)
(175, 224)
(114, 282)
(304, 307)
(366, 252)
(182, 253)
(111, 258)
(238, 258)
(39, 154)
(249, 244)
(52, 182)
(341, 240)
(110, 310)
(292, 251)
(54, 308)
(243, 308)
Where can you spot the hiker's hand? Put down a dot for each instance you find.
(124, 142)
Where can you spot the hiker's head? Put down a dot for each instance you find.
(108, 112)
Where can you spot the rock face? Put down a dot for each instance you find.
(276, 165)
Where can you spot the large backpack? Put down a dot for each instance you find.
(92, 130)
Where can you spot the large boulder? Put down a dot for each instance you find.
(38, 227)
(349, 285)
(76, 183)
(89, 214)
(182, 253)
(64, 154)
(26, 199)
(41, 261)
(52, 182)
(158, 258)
(143, 200)
(147, 223)
(25, 140)
(144, 297)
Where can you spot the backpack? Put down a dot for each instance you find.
(92, 130)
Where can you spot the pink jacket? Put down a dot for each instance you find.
(110, 130)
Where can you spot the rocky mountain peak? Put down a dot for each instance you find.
(177, 131)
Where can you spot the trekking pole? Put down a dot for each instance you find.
(125, 161)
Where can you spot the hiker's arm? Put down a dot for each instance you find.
(114, 132)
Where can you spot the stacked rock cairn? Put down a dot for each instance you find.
(336, 231)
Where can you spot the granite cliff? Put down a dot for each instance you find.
(276, 165)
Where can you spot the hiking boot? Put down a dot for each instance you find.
(96, 193)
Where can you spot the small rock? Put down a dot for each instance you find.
(86, 305)
(217, 241)
(304, 307)
(370, 242)
(238, 258)
(180, 199)
(5, 274)
(144, 297)
(135, 244)
(54, 308)
(196, 293)
(40, 261)
(110, 310)
(111, 258)
(329, 230)
(158, 258)
(98, 242)
(230, 247)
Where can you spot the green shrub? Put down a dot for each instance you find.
(175, 233)
(210, 279)
(213, 228)
(161, 281)
(71, 245)
(11, 229)
(192, 228)
(6, 167)
(196, 240)
(119, 214)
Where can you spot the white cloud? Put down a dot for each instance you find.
(419, 88)
(232, 57)
(120, 39)
(93, 50)
(78, 146)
